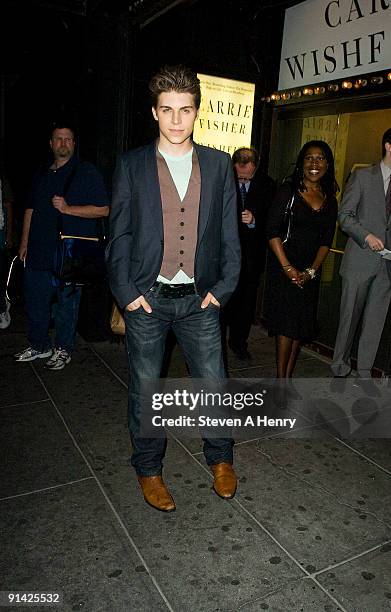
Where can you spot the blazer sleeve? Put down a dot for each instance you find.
(348, 213)
(120, 243)
(230, 258)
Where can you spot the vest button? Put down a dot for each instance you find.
(181, 223)
(180, 252)
(182, 237)
(181, 265)
(182, 210)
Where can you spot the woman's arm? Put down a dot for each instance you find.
(275, 221)
(278, 249)
(320, 257)
(318, 261)
(25, 233)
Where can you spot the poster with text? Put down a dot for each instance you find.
(226, 113)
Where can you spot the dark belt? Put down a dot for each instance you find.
(173, 291)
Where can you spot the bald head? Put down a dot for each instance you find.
(245, 161)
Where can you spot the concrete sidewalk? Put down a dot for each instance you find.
(309, 529)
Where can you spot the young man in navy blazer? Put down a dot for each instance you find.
(173, 259)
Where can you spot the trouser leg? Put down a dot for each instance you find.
(198, 333)
(353, 300)
(66, 317)
(242, 314)
(375, 313)
(145, 342)
(38, 296)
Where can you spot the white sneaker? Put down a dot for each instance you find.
(29, 354)
(5, 317)
(59, 359)
(53, 358)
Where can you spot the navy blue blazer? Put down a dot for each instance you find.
(134, 252)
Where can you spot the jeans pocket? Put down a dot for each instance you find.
(126, 311)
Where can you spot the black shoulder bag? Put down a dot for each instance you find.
(78, 260)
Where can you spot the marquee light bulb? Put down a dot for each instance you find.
(360, 83)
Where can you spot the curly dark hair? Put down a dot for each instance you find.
(328, 183)
(175, 78)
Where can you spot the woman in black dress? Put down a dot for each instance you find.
(294, 265)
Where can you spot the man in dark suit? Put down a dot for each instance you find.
(366, 288)
(173, 259)
(255, 192)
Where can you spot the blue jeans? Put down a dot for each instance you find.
(198, 335)
(39, 295)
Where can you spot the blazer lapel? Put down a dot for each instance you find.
(378, 186)
(206, 191)
(152, 187)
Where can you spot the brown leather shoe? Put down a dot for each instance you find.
(156, 493)
(225, 481)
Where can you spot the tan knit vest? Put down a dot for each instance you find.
(180, 219)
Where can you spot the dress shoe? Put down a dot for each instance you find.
(156, 493)
(225, 481)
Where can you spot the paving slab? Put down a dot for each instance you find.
(37, 450)
(353, 416)
(223, 569)
(96, 414)
(11, 342)
(114, 353)
(68, 540)
(306, 367)
(301, 498)
(19, 385)
(363, 584)
(332, 468)
(378, 450)
(299, 596)
(323, 505)
(208, 555)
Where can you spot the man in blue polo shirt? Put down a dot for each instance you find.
(68, 195)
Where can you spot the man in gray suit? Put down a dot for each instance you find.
(366, 286)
